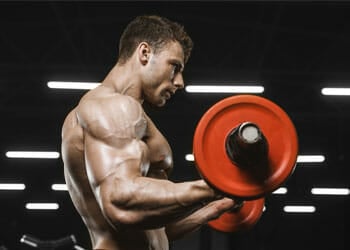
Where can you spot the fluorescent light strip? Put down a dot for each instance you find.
(72, 85)
(330, 191)
(281, 190)
(299, 209)
(336, 91)
(310, 158)
(76, 247)
(300, 159)
(42, 206)
(28, 242)
(59, 187)
(189, 157)
(12, 186)
(223, 89)
(33, 154)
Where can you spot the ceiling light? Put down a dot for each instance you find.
(29, 241)
(223, 89)
(310, 158)
(300, 159)
(299, 209)
(12, 186)
(330, 191)
(42, 206)
(33, 154)
(59, 187)
(72, 85)
(189, 157)
(281, 190)
(336, 91)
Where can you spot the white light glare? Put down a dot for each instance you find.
(12, 186)
(335, 91)
(299, 209)
(59, 187)
(330, 191)
(28, 242)
(310, 158)
(300, 159)
(189, 157)
(42, 206)
(281, 190)
(223, 89)
(72, 85)
(33, 154)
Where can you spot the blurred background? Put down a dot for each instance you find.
(292, 49)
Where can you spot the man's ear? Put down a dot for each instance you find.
(144, 52)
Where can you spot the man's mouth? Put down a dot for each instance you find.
(167, 95)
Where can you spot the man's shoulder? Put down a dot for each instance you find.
(109, 111)
(114, 102)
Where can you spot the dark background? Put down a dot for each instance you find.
(293, 49)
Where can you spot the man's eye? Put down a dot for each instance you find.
(174, 71)
(176, 68)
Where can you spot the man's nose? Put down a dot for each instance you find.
(179, 81)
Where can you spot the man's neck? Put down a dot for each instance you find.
(123, 80)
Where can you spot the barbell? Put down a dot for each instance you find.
(245, 147)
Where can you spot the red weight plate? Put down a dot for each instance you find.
(241, 220)
(214, 164)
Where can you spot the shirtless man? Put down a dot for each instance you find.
(117, 163)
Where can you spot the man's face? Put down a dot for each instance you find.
(164, 74)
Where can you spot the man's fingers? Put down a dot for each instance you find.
(216, 208)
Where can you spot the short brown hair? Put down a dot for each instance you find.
(155, 30)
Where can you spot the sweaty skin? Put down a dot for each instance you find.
(116, 167)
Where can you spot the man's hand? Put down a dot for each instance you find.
(215, 209)
(210, 211)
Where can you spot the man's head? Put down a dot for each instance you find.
(157, 32)
(160, 48)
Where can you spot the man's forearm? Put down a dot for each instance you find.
(163, 193)
(149, 203)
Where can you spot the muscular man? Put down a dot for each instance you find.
(116, 162)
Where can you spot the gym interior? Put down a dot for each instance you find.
(296, 54)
